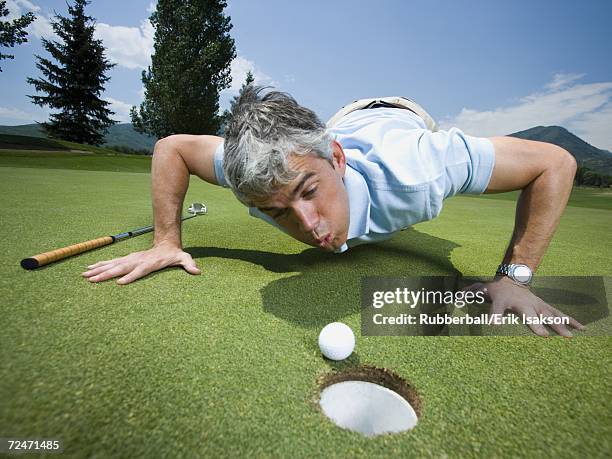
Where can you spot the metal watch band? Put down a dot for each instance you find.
(510, 270)
(503, 270)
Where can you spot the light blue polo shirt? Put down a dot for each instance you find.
(398, 172)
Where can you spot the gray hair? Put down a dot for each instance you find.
(262, 132)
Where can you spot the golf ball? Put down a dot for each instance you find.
(336, 341)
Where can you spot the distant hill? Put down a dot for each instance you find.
(25, 143)
(118, 135)
(586, 154)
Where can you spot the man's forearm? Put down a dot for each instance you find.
(544, 173)
(175, 158)
(169, 183)
(538, 211)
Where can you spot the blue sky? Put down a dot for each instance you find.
(488, 67)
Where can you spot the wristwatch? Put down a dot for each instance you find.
(521, 274)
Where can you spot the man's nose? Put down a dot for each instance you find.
(306, 216)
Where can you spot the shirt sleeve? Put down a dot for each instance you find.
(466, 161)
(461, 164)
(219, 166)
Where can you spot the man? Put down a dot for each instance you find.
(376, 171)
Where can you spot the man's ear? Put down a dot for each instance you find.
(338, 158)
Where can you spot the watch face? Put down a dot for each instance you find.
(521, 273)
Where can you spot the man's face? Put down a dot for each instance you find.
(314, 207)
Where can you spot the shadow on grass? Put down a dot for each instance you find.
(328, 286)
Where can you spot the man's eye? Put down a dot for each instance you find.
(310, 193)
(279, 213)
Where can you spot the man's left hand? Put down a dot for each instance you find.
(506, 295)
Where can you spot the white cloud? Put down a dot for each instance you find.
(129, 47)
(595, 128)
(561, 80)
(121, 109)
(152, 7)
(584, 109)
(14, 115)
(18, 7)
(41, 27)
(9, 115)
(240, 67)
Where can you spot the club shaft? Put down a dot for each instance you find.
(42, 259)
(143, 230)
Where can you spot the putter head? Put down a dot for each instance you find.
(197, 208)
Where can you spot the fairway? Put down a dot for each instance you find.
(226, 363)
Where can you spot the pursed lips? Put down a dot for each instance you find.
(326, 240)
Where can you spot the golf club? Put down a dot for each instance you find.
(42, 259)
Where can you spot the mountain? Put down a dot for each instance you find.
(586, 154)
(118, 135)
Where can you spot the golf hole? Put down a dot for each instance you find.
(369, 400)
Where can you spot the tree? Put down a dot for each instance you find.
(579, 177)
(13, 32)
(588, 177)
(248, 80)
(227, 113)
(189, 67)
(74, 85)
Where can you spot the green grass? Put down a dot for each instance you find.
(594, 198)
(225, 364)
(89, 161)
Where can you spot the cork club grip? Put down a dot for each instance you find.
(42, 259)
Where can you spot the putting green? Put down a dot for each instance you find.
(226, 363)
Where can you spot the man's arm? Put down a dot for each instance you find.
(174, 159)
(545, 173)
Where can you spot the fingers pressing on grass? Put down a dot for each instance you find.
(100, 263)
(138, 264)
(189, 264)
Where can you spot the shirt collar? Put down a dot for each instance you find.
(359, 205)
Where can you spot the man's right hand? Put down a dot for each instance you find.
(139, 264)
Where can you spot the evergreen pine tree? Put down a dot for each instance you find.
(190, 66)
(13, 32)
(74, 84)
(247, 81)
